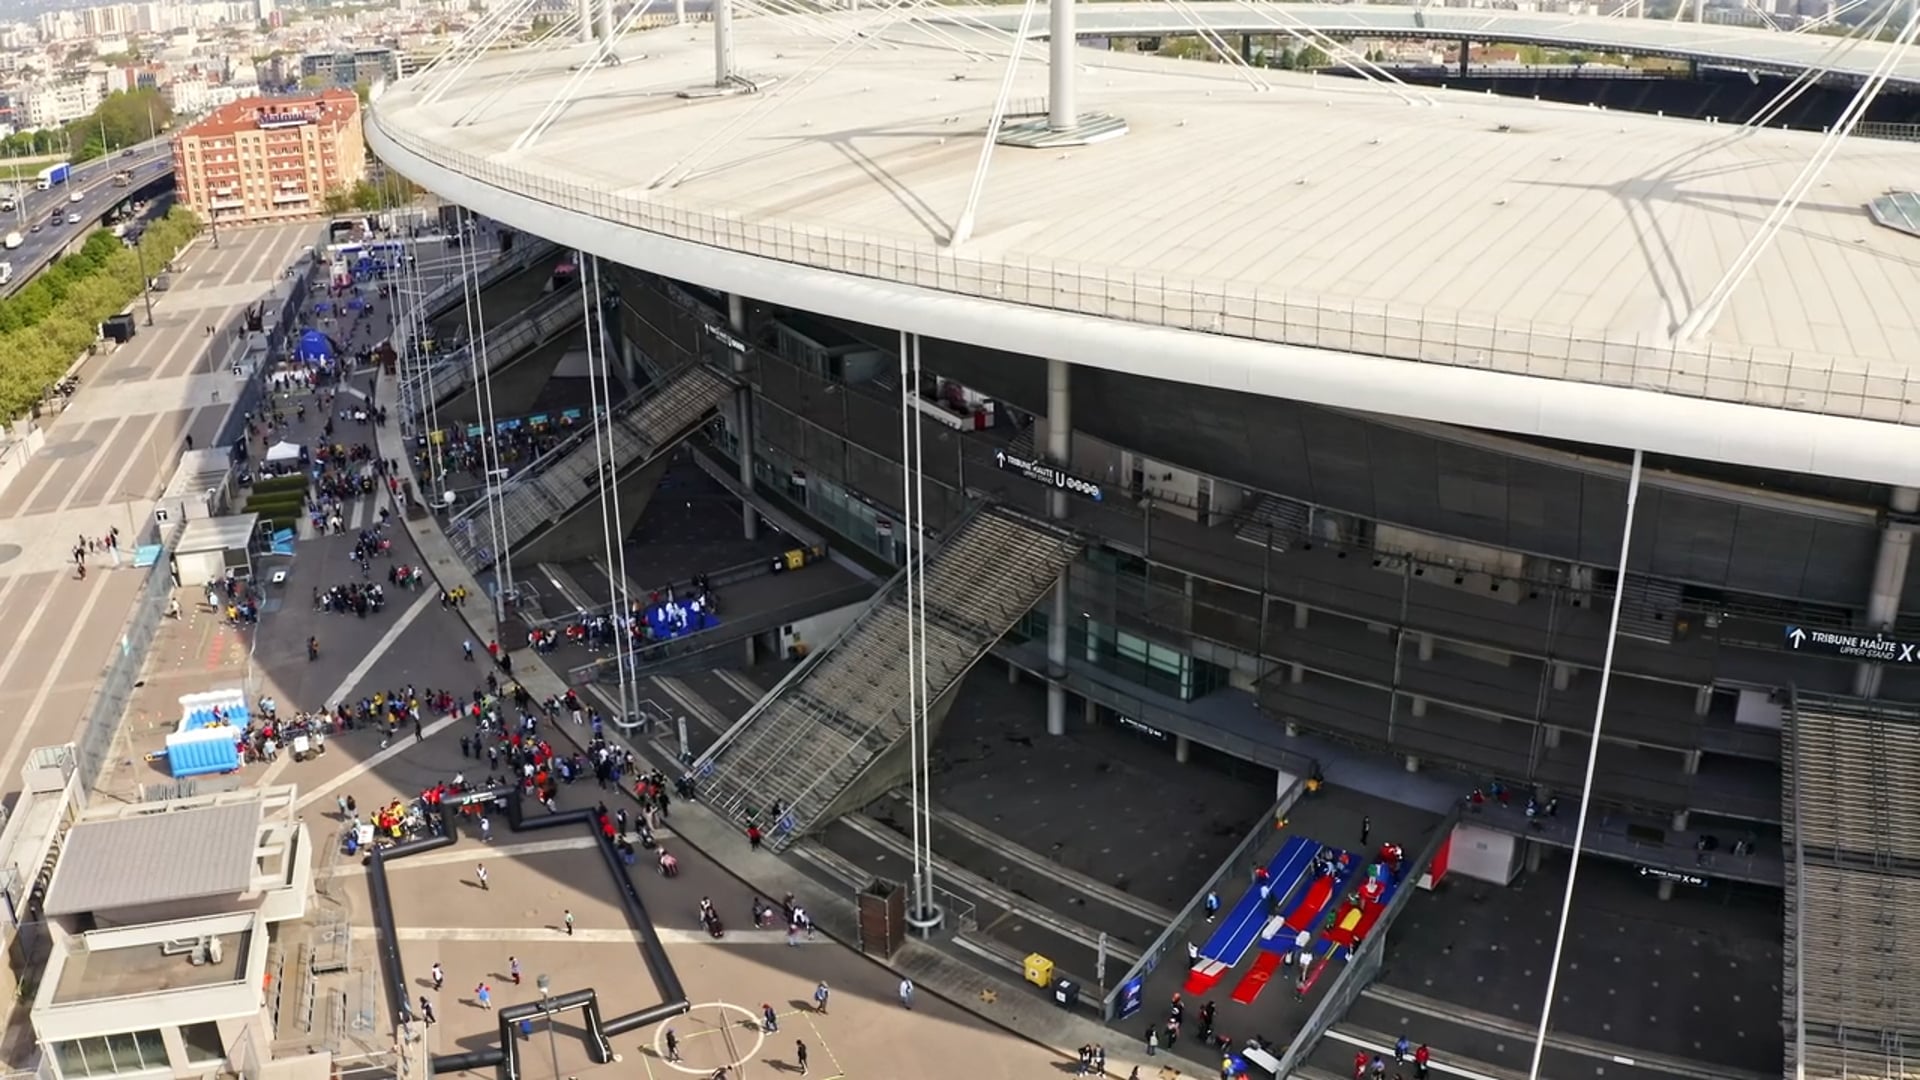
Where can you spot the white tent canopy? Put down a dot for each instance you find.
(284, 451)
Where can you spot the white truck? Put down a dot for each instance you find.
(6, 273)
(14, 240)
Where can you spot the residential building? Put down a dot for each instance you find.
(268, 159)
(350, 68)
(58, 101)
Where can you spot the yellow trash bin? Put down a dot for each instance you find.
(1039, 971)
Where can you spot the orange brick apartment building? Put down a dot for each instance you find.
(269, 159)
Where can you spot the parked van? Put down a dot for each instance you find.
(14, 240)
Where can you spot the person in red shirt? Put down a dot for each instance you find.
(1360, 1066)
(1420, 1058)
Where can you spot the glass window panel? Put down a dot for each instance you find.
(126, 1052)
(153, 1049)
(202, 1042)
(1131, 647)
(72, 1058)
(99, 1060)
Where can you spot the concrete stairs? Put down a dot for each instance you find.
(568, 476)
(807, 743)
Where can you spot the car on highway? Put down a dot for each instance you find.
(76, 196)
(73, 219)
(36, 227)
(14, 240)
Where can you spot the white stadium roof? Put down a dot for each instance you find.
(1483, 261)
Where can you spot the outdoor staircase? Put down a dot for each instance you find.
(1277, 522)
(449, 375)
(812, 738)
(527, 254)
(567, 476)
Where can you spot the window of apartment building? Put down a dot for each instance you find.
(112, 1055)
(203, 1044)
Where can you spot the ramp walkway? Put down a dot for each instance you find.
(566, 478)
(809, 742)
(526, 254)
(451, 373)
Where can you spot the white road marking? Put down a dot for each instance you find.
(612, 937)
(399, 746)
(20, 741)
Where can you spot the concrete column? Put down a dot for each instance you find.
(680, 12)
(606, 22)
(1413, 763)
(1426, 646)
(1679, 821)
(1092, 709)
(1060, 452)
(722, 42)
(1534, 848)
(1419, 707)
(1063, 110)
(1703, 701)
(1562, 676)
(584, 9)
(1300, 616)
(1889, 580)
(1550, 738)
(1296, 674)
(743, 410)
(1057, 662)
(753, 650)
(1059, 428)
(1666, 889)
(1182, 749)
(1690, 763)
(1466, 57)
(1013, 675)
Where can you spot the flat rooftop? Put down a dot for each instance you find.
(94, 973)
(156, 858)
(1475, 231)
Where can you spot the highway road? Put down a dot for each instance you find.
(93, 180)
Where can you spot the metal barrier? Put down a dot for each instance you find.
(93, 743)
(1358, 973)
(1234, 865)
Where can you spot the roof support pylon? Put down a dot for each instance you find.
(723, 42)
(1063, 110)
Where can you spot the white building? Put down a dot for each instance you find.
(54, 102)
(159, 917)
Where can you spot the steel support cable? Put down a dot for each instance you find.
(510, 14)
(1811, 76)
(535, 53)
(476, 357)
(1705, 314)
(603, 451)
(1219, 46)
(910, 576)
(502, 563)
(963, 225)
(1366, 69)
(602, 49)
(1593, 761)
(918, 534)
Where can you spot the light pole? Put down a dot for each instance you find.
(546, 985)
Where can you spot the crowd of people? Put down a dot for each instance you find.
(357, 598)
(668, 612)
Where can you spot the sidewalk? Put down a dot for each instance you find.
(1002, 1001)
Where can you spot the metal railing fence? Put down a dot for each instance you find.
(1804, 380)
(93, 743)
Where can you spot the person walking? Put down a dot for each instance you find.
(673, 1045)
(513, 969)
(769, 1022)
(426, 1011)
(480, 875)
(439, 977)
(800, 1055)
(1366, 828)
(566, 920)
(466, 651)
(906, 993)
(820, 995)
(483, 996)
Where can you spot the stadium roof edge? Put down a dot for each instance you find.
(1673, 424)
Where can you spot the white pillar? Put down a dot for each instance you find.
(584, 9)
(1063, 112)
(1060, 452)
(743, 413)
(722, 42)
(1889, 580)
(606, 22)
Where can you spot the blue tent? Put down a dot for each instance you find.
(314, 345)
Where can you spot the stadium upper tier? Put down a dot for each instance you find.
(1462, 258)
(1739, 47)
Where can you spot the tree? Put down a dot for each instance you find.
(363, 90)
(123, 119)
(338, 202)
